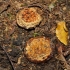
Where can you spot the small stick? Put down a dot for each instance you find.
(8, 58)
(67, 52)
(62, 58)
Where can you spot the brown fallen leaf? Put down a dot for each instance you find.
(62, 32)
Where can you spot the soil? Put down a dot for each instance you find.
(13, 38)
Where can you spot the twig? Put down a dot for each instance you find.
(67, 52)
(62, 58)
(8, 58)
(5, 9)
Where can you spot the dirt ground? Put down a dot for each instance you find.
(13, 38)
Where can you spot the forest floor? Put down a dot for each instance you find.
(13, 38)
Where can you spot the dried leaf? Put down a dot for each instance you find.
(62, 32)
(51, 6)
